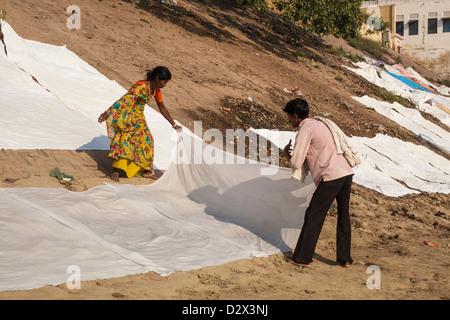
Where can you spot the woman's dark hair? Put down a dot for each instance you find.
(161, 72)
(297, 106)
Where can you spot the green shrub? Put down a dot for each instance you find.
(445, 82)
(299, 54)
(370, 46)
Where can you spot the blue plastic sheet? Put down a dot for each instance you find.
(408, 81)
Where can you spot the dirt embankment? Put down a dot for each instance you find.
(220, 56)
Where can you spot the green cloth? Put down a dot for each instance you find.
(58, 174)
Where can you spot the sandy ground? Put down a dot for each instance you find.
(217, 53)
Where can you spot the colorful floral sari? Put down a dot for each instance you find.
(130, 140)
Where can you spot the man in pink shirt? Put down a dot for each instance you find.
(332, 176)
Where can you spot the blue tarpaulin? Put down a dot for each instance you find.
(408, 81)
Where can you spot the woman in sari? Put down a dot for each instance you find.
(130, 140)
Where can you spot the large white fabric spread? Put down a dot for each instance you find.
(194, 216)
(200, 213)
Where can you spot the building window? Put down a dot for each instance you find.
(413, 27)
(445, 24)
(399, 27)
(432, 25)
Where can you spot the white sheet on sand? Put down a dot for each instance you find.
(425, 101)
(410, 119)
(196, 215)
(387, 161)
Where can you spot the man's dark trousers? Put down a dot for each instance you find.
(315, 215)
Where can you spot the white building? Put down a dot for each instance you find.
(425, 30)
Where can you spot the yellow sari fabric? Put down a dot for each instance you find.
(130, 168)
(130, 140)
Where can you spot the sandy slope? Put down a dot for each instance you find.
(214, 53)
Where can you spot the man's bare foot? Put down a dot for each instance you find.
(303, 265)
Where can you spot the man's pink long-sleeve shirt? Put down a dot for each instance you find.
(314, 142)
